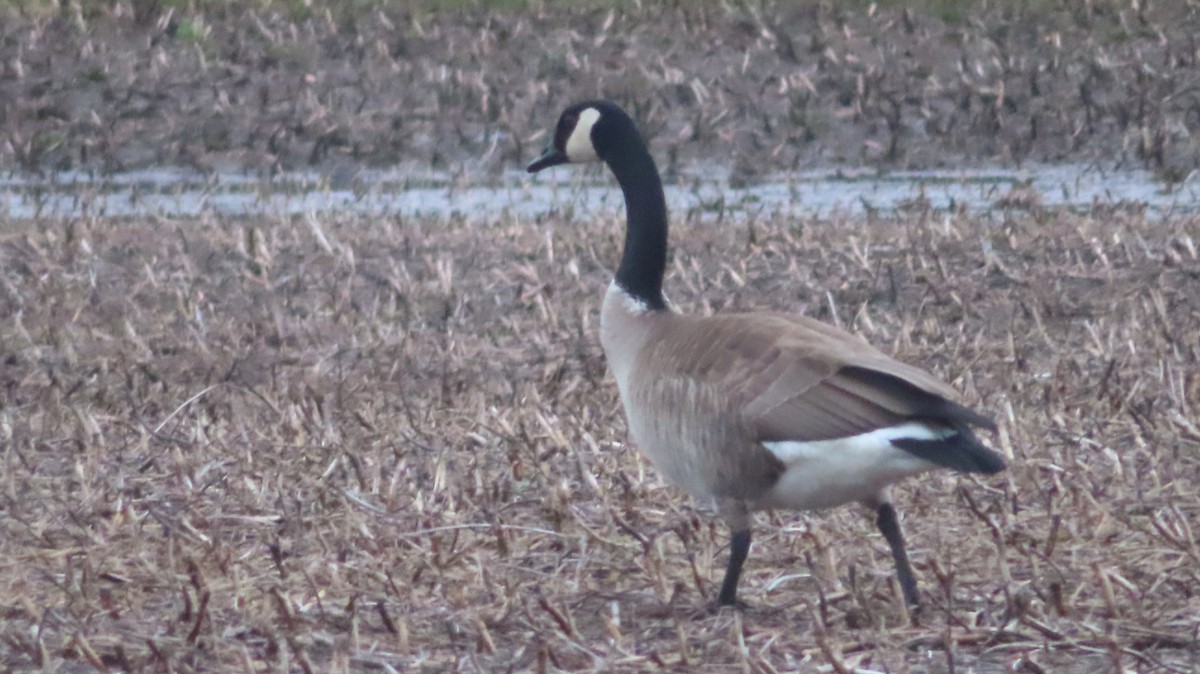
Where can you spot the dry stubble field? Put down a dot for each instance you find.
(343, 444)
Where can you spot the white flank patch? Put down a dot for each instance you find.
(579, 143)
(827, 473)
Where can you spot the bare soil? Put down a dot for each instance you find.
(753, 86)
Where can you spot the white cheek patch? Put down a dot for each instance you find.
(579, 143)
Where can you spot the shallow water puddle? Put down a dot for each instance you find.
(179, 193)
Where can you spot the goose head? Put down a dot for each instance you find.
(587, 131)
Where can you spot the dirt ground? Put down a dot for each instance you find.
(333, 443)
(766, 86)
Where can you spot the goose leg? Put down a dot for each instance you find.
(739, 547)
(889, 525)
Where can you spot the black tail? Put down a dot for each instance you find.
(960, 450)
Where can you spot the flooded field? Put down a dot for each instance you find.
(427, 194)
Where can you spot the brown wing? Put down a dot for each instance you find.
(799, 379)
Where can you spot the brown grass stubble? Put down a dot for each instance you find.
(352, 445)
(770, 86)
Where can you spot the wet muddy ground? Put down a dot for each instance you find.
(757, 87)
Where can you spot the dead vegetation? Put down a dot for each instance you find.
(339, 445)
(281, 84)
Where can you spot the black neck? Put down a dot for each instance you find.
(645, 256)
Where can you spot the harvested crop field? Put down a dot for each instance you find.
(278, 85)
(358, 445)
(337, 443)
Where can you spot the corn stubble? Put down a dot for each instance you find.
(358, 445)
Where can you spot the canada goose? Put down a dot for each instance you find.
(761, 410)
